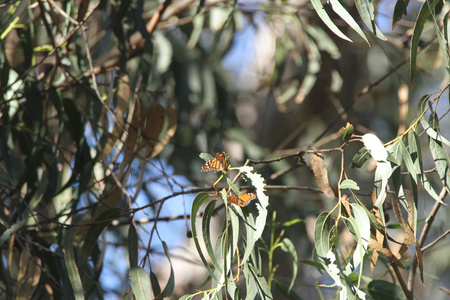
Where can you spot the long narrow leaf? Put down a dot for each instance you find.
(345, 15)
(7, 233)
(94, 232)
(198, 202)
(206, 225)
(72, 268)
(170, 286)
(318, 7)
(140, 283)
(422, 17)
(366, 12)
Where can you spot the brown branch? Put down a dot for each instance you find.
(425, 230)
(431, 244)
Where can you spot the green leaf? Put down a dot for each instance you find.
(362, 223)
(312, 263)
(318, 7)
(441, 162)
(234, 221)
(382, 175)
(155, 284)
(205, 156)
(416, 155)
(94, 232)
(206, 225)
(366, 12)
(133, 248)
(261, 283)
(381, 290)
(349, 184)
(399, 11)
(412, 168)
(292, 222)
(322, 234)
(72, 268)
(170, 286)
(7, 233)
(422, 18)
(233, 186)
(140, 283)
(199, 200)
(360, 158)
(255, 227)
(443, 44)
(346, 132)
(288, 247)
(286, 292)
(345, 15)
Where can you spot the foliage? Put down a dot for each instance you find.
(104, 105)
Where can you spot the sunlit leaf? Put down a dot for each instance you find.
(255, 226)
(346, 132)
(366, 11)
(322, 234)
(349, 184)
(140, 282)
(318, 7)
(345, 15)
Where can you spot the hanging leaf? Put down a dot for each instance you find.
(140, 283)
(170, 286)
(345, 15)
(288, 247)
(72, 268)
(170, 132)
(321, 174)
(133, 246)
(349, 184)
(399, 11)
(318, 7)
(199, 200)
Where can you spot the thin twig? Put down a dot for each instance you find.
(425, 230)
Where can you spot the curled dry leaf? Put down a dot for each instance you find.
(321, 174)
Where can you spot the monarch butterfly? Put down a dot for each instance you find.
(243, 199)
(217, 163)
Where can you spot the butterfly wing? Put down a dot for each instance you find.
(217, 163)
(243, 199)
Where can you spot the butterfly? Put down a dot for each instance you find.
(243, 199)
(217, 163)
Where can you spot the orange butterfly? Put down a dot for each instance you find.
(217, 163)
(243, 199)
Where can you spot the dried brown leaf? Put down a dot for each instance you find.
(379, 247)
(321, 174)
(170, 132)
(153, 127)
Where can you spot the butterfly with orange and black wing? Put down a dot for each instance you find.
(217, 163)
(242, 200)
